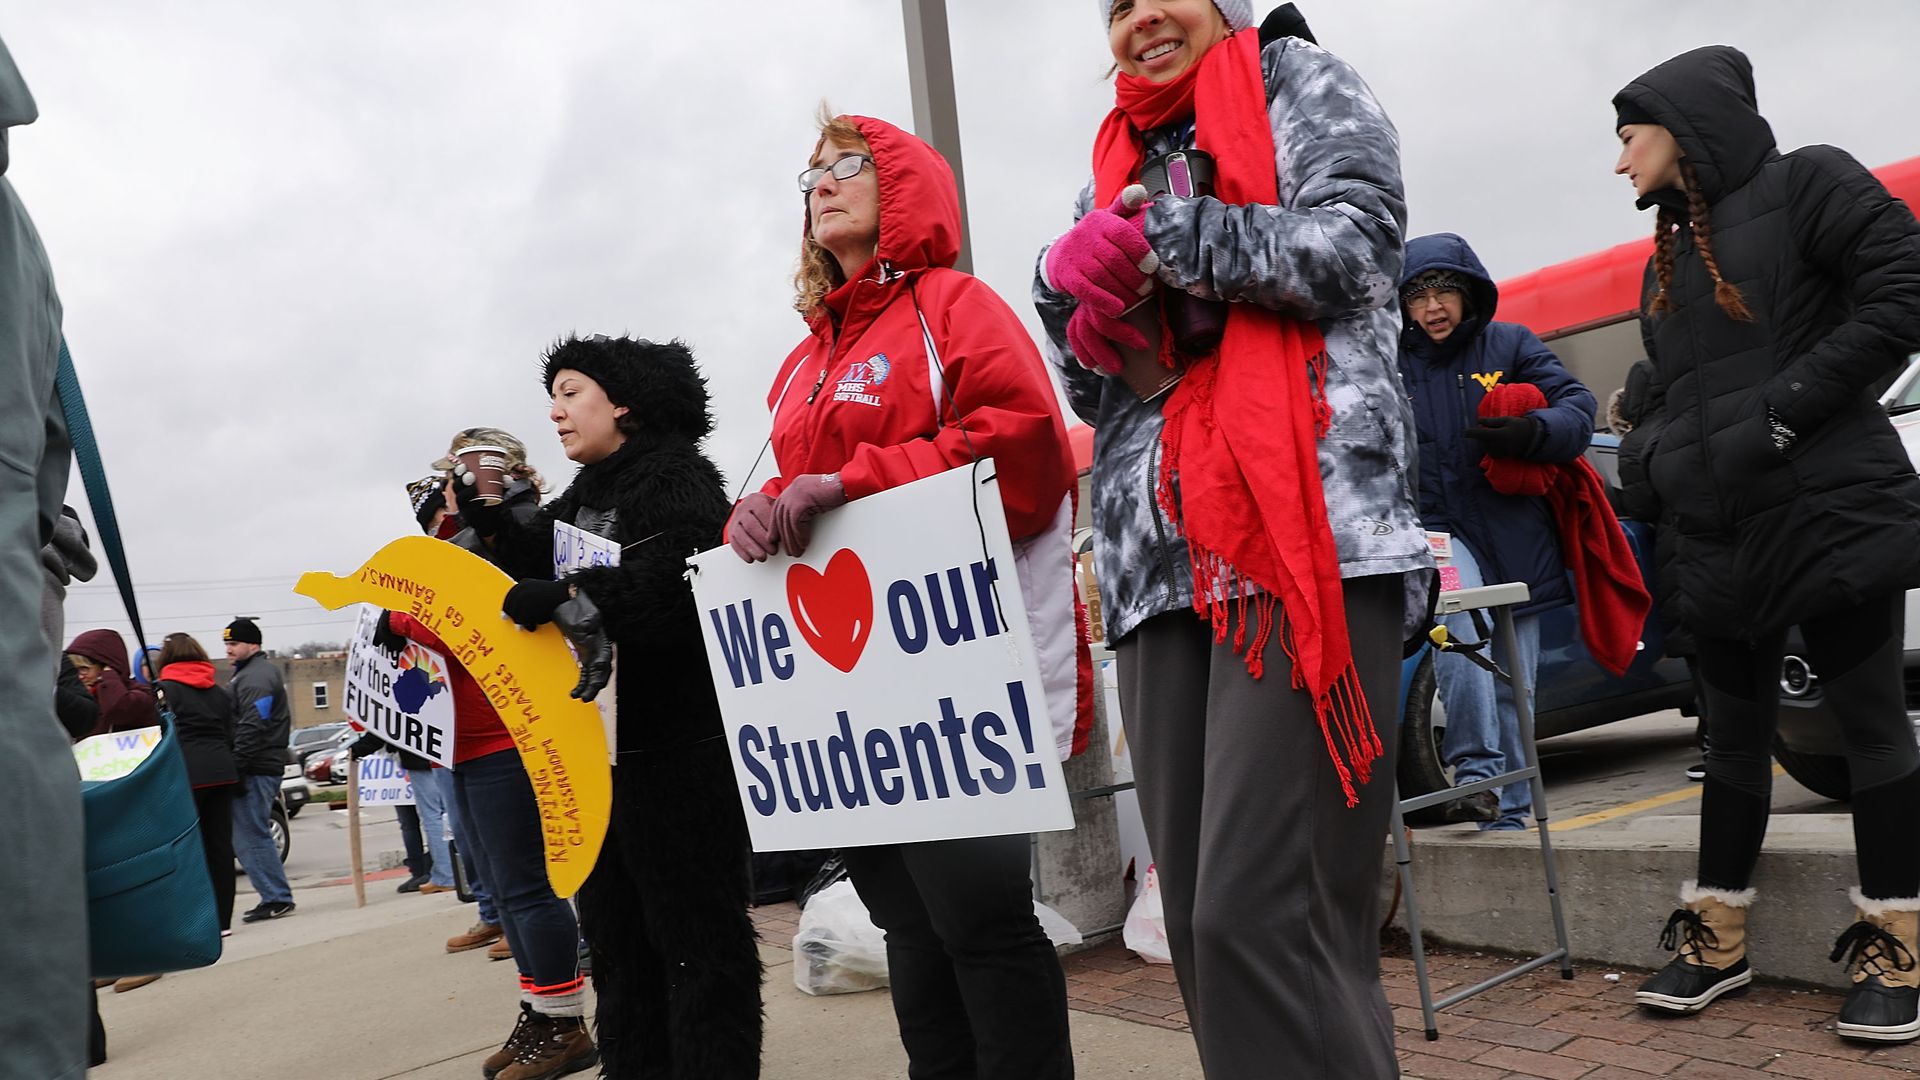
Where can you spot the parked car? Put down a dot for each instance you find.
(307, 741)
(295, 792)
(320, 766)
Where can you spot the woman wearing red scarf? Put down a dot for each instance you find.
(1276, 474)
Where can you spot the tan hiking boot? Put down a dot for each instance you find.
(133, 982)
(516, 1041)
(480, 933)
(553, 1046)
(501, 950)
(1882, 949)
(1709, 939)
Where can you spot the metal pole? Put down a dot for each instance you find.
(936, 118)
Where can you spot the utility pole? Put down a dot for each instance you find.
(936, 118)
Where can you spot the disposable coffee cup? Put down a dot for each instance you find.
(488, 464)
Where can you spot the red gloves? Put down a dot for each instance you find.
(805, 499)
(750, 530)
(1104, 262)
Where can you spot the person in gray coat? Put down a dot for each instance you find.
(43, 997)
(262, 722)
(1271, 921)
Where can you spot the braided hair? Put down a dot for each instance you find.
(1666, 225)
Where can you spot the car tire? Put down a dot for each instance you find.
(277, 825)
(1826, 775)
(1420, 769)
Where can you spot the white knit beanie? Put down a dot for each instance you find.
(1238, 13)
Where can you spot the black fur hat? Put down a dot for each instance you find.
(658, 382)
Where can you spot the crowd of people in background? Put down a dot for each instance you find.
(1289, 396)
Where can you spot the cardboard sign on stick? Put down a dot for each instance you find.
(878, 691)
(408, 702)
(528, 677)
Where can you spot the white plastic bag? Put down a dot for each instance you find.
(1146, 928)
(837, 949)
(1059, 929)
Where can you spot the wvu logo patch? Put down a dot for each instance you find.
(1488, 382)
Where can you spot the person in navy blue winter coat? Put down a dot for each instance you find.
(1452, 353)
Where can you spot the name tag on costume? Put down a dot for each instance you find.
(578, 549)
(876, 692)
(408, 702)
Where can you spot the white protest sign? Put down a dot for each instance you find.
(578, 549)
(874, 692)
(409, 703)
(115, 754)
(383, 782)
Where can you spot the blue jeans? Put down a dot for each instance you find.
(1483, 730)
(475, 883)
(495, 800)
(253, 838)
(430, 791)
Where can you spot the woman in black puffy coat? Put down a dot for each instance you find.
(1782, 289)
(203, 722)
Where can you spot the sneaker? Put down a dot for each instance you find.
(553, 1046)
(501, 950)
(1479, 806)
(1697, 772)
(277, 909)
(412, 884)
(481, 933)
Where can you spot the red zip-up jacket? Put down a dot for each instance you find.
(857, 396)
(862, 396)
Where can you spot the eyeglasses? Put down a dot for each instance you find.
(845, 169)
(1431, 296)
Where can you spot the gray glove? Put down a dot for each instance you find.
(579, 619)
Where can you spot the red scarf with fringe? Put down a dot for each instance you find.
(1243, 427)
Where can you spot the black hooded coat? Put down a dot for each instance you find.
(1751, 539)
(675, 960)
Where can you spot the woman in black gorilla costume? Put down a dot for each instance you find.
(675, 959)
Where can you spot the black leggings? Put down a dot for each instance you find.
(1856, 653)
(215, 805)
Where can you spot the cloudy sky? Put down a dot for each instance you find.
(302, 243)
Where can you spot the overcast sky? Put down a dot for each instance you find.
(301, 243)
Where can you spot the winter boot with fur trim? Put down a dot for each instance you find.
(1709, 936)
(1881, 952)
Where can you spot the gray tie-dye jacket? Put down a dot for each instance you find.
(1330, 252)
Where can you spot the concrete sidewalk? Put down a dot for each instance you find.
(370, 993)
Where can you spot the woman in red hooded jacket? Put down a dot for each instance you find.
(911, 368)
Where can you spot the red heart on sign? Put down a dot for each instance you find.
(834, 610)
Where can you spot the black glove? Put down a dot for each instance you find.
(366, 745)
(530, 603)
(580, 620)
(386, 639)
(486, 519)
(1506, 436)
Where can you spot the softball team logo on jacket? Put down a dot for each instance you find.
(862, 379)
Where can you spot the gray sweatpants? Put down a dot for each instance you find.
(1271, 885)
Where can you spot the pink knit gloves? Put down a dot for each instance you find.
(1104, 261)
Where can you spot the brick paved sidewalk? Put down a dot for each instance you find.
(1538, 1026)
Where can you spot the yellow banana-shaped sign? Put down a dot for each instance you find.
(528, 677)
